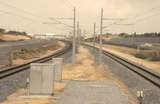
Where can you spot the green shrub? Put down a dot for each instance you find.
(142, 56)
(151, 56)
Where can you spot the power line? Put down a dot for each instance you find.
(69, 4)
(19, 9)
(26, 18)
(143, 14)
(29, 13)
(146, 12)
(138, 17)
(147, 17)
(9, 13)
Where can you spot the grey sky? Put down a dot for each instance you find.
(88, 12)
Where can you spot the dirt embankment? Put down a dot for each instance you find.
(10, 37)
(27, 55)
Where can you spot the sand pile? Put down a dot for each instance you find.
(10, 37)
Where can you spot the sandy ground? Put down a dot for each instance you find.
(121, 49)
(127, 53)
(21, 97)
(86, 69)
(9, 37)
(32, 55)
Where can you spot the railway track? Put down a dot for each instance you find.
(5, 72)
(142, 71)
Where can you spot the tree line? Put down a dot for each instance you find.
(3, 31)
(153, 34)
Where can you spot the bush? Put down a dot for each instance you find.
(151, 55)
(142, 56)
(16, 33)
(2, 30)
(155, 58)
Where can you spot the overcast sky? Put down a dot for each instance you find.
(29, 15)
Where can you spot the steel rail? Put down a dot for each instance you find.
(142, 71)
(151, 77)
(5, 72)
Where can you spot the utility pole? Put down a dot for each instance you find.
(80, 34)
(79, 38)
(100, 37)
(84, 34)
(77, 48)
(101, 31)
(74, 37)
(94, 34)
(70, 26)
(94, 41)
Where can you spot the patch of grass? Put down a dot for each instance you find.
(142, 56)
(154, 58)
(148, 55)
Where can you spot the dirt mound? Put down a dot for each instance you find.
(2, 40)
(10, 37)
(27, 55)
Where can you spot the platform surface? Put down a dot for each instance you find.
(92, 92)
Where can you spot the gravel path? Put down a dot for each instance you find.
(92, 92)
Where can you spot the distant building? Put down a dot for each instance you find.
(49, 36)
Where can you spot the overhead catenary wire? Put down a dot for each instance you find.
(69, 4)
(29, 13)
(146, 12)
(147, 17)
(13, 14)
(139, 17)
(20, 16)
